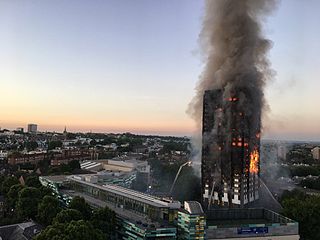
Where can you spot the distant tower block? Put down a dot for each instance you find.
(65, 133)
(230, 152)
(32, 128)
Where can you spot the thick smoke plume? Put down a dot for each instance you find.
(235, 54)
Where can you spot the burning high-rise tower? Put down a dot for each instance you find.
(230, 150)
(230, 100)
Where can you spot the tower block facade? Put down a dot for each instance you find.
(230, 151)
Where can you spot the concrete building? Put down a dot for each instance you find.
(230, 164)
(32, 128)
(316, 153)
(282, 152)
(191, 221)
(139, 216)
(142, 216)
(253, 224)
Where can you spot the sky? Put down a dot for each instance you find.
(132, 66)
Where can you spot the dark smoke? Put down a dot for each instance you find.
(235, 53)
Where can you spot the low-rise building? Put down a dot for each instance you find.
(20, 231)
(139, 216)
(31, 158)
(67, 155)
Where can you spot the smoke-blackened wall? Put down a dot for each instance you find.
(235, 54)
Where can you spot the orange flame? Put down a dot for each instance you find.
(254, 161)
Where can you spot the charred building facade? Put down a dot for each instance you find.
(230, 150)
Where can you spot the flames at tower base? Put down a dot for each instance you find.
(230, 150)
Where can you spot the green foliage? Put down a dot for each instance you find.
(307, 213)
(7, 183)
(71, 136)
(108, 140)
(28, 200)
(300, 154)
(305, 210)
(93, 142)
(311, 183)
(64, 168)
(12, 196)
(9, 219)
(292, 194)
(78, 203)
(31, 146)
(174, 146)
(303, 171)
(164, 173)
(107, 155)
(74, 164)
(33, 181)
(54, 144)
(188, 186)
(48, 209)
(67, 215)
(80, 230)
(44, 191)
(105, 220)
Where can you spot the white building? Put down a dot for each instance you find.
(282, 151)
(316, 153)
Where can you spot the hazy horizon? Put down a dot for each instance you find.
(120, 66)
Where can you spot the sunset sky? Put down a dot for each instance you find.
(123, 65)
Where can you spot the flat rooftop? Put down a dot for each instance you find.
(123, 213)
(138, 196)
(55, 178)
(244, 216)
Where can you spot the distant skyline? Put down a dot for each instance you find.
(124, 66)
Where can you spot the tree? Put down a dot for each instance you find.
(67, 215)
(7, 183)
(80, 230)
(78, 203)
(83, 230)
(12, 196)
(54, 144)
(53, 232)
(48, 209)
(28, 200)
(105, 220)
(93, 142)
(305, 210)
(45, 191)
(33, 181)
(31, 146)
(74, 164)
